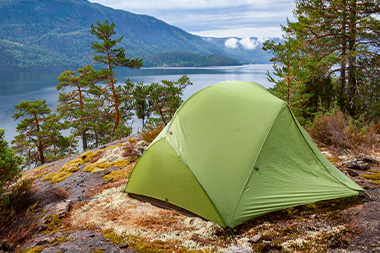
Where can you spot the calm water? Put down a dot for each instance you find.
(27, 85)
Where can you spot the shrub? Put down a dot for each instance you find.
(331, 129)
(336, 130)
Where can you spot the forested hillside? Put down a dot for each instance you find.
(55, 34)
(186, 59)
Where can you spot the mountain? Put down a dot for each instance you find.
(50, 34)
(245, 50)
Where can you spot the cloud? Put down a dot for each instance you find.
(248, 43)
(231, 43)
(262, 33)
(215, 17)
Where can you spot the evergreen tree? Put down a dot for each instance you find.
(165, 98)
(337, 32)
(290, 84)
(39, 139)
(108, 53)
(9, 164)
(82, 103)
(301, 80)
(141, 97)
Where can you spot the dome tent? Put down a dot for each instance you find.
(233, 152)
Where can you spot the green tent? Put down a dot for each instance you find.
(233, 152)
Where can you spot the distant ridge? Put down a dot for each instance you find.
(55, 34)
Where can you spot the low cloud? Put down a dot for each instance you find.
(231, 43)
(248, 43)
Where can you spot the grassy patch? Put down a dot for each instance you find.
(69, 168)
(38, 172)
(54, 223)
(30, 250)
(117, 175)
(374, 177)
(57, 241)
(98, 250)
(101, 166)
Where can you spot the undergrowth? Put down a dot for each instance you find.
(20, 211)
(150, 134)
(337, 130)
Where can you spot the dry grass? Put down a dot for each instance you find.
(38, 172)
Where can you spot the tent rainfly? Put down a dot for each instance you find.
(233, 152)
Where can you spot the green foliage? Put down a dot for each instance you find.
(108, 53)
(161, 99)
(291, 84)
(82, 104)
(9, 164)
(336, 33)
(329, 54)
(39, 139)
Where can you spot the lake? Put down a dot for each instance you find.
(31, 85)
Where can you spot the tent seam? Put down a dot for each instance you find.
(187, 165)
(257, 157)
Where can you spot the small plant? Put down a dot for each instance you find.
(150, 134)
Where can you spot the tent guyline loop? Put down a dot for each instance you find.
(229, 230)
(355, 161)
(77, 200)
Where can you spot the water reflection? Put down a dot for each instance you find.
(17, 86)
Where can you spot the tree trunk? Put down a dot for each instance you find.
(342, 80)
(84, 140)
(40, 144)
(352, 58)
(116, 106)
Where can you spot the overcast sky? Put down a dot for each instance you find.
(215, 18)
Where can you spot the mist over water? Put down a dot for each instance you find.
(31, 85)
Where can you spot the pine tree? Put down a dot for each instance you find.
(108, 53)
(39, 139)
(166, 98)
(82, 103)
(337, 32)
(10, 169)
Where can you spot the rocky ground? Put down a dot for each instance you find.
(82, 208)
